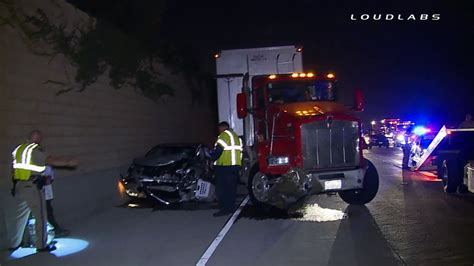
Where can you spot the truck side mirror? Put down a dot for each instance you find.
(241, 105)
(358, 100)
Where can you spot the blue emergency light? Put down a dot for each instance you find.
(421, 130)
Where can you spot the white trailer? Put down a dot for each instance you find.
(235, 69)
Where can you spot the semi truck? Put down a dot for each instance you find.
(299, 139)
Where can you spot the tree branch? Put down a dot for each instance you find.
(54, 82)
(64, 91)
(6, 21)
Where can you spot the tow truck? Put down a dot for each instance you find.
(452, 153)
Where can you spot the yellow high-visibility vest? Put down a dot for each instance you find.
(22, 162)
(232, 149)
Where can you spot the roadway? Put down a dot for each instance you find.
(410, 222)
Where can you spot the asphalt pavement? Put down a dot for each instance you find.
(410, 222)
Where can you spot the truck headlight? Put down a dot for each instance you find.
(280, 160)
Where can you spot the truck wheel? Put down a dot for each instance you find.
(451, 176)
(257, 185)
(369, 190)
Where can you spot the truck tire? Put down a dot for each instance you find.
(253, 185)
(440, 169)
(369, 190)
(452, 176)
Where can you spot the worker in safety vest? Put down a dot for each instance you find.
(29, 164)
(227, 155)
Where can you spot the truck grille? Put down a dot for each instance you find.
(336, 146)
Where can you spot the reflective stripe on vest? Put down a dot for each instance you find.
(22, 164)
(232, 149)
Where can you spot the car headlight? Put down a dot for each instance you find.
(401, 138)
(279, 160)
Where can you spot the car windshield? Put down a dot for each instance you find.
(301, 91)
(172, 152)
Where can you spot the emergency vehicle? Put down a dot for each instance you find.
(451, 151)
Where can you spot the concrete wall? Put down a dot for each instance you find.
(103, 127)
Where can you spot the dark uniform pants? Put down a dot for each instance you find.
(50, 212)
(226, 186)
(34, 198)
(406, 148)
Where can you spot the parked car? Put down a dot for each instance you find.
(171, 173)
(379, 140)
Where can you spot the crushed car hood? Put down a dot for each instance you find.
(157, 160)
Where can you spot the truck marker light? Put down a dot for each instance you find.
(294, 75)
(272, 76)
(302, 75)
(330, 76)
(310, 75)
(299, 49)
(217, 55)
(317, 109)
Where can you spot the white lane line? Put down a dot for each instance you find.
(210, 250)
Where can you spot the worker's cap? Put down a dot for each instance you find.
(223, 124)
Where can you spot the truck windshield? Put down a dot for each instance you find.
(301, 91)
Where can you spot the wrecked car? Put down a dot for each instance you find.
(171, 173)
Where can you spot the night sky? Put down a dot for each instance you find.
(419, 70)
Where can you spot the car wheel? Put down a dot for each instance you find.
(369, 190)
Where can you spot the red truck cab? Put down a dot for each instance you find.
(299, 139)
(306, 141)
